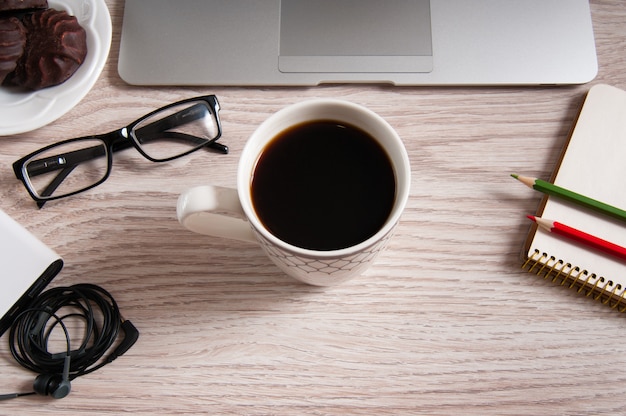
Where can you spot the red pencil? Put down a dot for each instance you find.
(581, 237)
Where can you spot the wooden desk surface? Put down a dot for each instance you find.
(444, 323)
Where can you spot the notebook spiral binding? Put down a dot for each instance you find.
(584, 282)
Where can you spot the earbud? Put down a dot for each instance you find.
(54, 385)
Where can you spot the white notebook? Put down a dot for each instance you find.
(593, 164)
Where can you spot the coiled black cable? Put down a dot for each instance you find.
(95, 307)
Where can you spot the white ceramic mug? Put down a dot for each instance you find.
(229, 213)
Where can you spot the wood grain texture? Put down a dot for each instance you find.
(445, 322)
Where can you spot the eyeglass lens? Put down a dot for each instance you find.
(67, 168)
(176, 130)
(76, 165)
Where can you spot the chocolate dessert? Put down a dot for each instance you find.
(56, 46)
(12, 42)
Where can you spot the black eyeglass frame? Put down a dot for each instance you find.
(119, 140)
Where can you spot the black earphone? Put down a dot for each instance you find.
(31, 329)
(55, 385)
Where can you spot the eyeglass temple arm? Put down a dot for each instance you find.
(179, 118)
(174, 135)
(52, 186)
(64, 160)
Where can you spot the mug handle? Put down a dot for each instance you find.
(215, 211)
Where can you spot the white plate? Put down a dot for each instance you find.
(25, 111)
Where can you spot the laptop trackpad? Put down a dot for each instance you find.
(355, 36)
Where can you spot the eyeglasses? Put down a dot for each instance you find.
(76, 165)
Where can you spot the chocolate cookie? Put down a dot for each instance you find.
(56, 46)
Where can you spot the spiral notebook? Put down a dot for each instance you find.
(592, 164)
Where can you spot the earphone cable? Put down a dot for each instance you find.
(31, 331)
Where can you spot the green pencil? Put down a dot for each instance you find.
(565, 194)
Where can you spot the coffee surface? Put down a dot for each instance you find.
(323, 185)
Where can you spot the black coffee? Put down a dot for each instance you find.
(323, 185)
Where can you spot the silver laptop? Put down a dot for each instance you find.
(400, 42)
